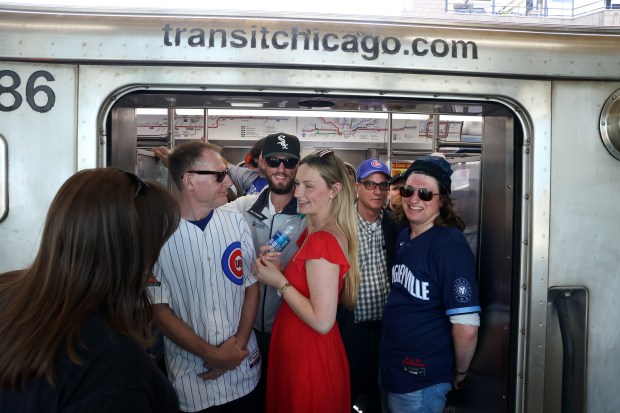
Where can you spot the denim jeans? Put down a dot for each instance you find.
(428, 400)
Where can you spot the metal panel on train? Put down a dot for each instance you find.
(241, 41)
(38, 120)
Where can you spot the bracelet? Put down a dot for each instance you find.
(281, 289)
(461, 373)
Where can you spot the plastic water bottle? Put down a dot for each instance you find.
(283, 236)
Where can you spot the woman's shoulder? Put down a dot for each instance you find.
(103, 344)
(449, 240)
(448, 233)
(333, 232)
(325, 242)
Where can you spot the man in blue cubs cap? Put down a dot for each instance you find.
(361, 328)
(370, 166)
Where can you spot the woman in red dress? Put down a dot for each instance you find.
(308, 368)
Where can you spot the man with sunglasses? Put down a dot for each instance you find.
(361, 329)
(431, 316)
(246, 180)
(265, 213)
(205, 294)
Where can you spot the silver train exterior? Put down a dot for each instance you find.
(549, 196)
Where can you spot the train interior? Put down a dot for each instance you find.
(481, 138)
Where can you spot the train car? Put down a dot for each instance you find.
(528, 115)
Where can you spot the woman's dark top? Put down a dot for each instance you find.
(115, 375)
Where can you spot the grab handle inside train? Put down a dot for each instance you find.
(565, 383)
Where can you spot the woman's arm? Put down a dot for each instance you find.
(319, 311)
(465, 338)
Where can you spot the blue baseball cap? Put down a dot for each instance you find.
(370, 166)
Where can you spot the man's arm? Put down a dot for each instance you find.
(248, 315)
(161, 153)
(225, 357)
(465, 338)
(242, 177)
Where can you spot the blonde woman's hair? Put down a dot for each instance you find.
(333, 170)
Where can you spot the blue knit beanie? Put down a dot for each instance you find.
(435, 166)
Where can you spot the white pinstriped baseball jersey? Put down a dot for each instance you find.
(203, 276)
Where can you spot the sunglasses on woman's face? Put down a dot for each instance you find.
(289, 163)
(424, 194)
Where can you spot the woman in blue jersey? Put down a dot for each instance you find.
(430, 323)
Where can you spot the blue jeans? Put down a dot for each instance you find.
(428, 400)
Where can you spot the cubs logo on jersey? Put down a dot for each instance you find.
(232, 263)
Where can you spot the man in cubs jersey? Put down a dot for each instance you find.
(205, 296)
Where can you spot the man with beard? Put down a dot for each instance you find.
(265, 213)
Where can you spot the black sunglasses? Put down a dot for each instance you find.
(138, 182)
(371, 185)
(425, 194)
(219, 175)
(289, 163)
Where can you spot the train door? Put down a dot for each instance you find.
(485, 183)
(504, 129)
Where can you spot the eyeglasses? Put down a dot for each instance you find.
(219, 175)
(424, 194)
(371, 185)
(138, 182)
(289, 163)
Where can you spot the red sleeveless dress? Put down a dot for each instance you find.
(308, 371)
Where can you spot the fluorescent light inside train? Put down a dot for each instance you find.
(296, 113)
(304, 114)
(313, 114)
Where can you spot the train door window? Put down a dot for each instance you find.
(478, 139)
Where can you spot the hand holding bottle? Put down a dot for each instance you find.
(267, 272)
(266, 252)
